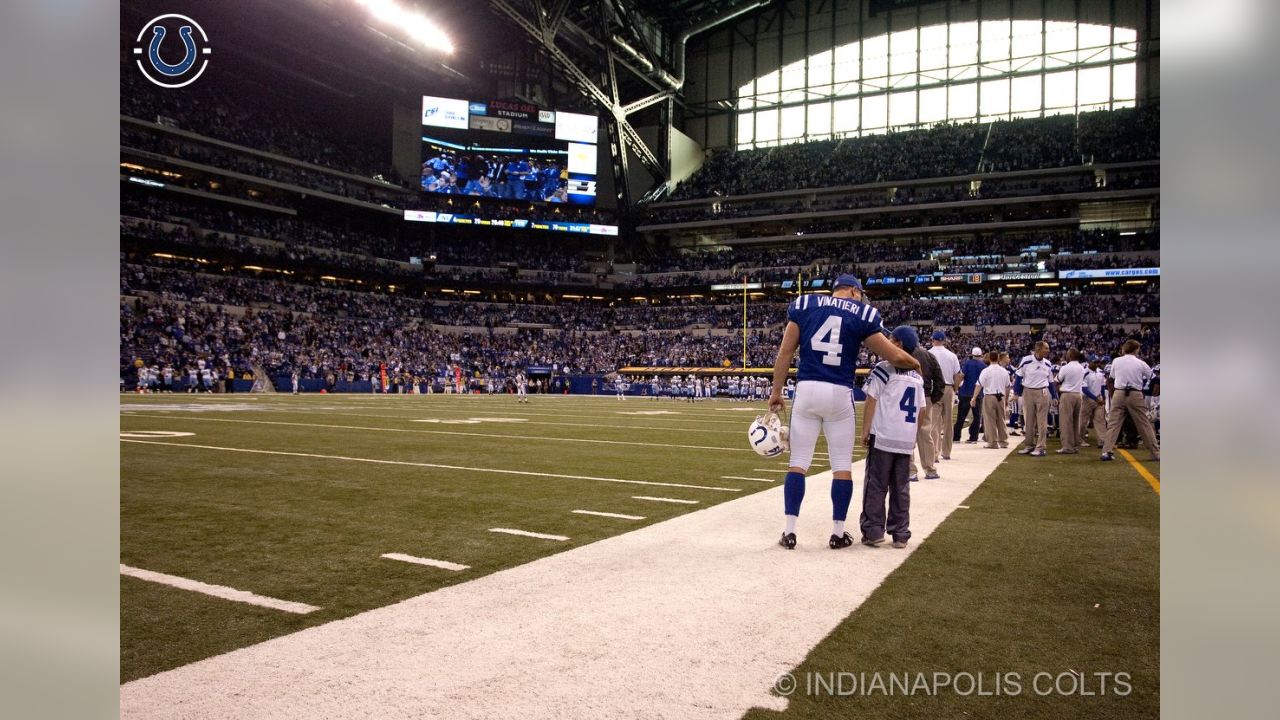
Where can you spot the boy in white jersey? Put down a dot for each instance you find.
(522, 387)
(895, 398)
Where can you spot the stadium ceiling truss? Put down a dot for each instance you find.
(590, 42)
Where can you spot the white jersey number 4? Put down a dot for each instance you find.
(827, 341)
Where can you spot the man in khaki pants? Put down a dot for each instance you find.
(1034, 374)
(1128, 375)
(943, 410)
(1094, 389)
(993, 384)
(1070, 402)
(926, 437)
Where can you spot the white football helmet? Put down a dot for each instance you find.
(767, 435)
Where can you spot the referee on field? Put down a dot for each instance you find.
(1128, 374)
(1033, 375)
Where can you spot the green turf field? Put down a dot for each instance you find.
(1053, 566)
(310, 527)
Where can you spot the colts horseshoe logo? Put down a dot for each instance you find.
(195, 51)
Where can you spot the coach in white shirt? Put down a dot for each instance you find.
(1129, 374)
(943, 410)
(993, 384)
(1070, 401)
(1035, 371)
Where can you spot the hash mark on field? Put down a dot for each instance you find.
(442, 564)
(962, 507)
(526, 473)
(665, 500)
(767, 470)
(218, 591)
(526, 533)
(620, 516)
(739, 477)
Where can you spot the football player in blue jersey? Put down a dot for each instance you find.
(828, 331)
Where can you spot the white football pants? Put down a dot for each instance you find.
(827, 408)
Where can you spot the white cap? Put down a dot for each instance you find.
(976, 352)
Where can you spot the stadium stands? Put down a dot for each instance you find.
(249, 273)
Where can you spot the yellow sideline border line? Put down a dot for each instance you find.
(1152, 480)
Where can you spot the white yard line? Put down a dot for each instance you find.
(442, 564)
(526, 533)
(739, 477)
(620, 516)
(499, 471)
(539, 438)
(664, 500)
(462, 414)
(638, 625)
(218, 591)
(773, 470)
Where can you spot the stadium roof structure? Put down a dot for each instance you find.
(680, 14)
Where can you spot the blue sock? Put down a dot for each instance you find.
(793, 492)
(841, 496)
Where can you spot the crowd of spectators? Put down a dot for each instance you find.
(278, 171)
(847, 253)
(940, 151)
(531, 250)
(910, 195)
(247, 116)
(174, 281)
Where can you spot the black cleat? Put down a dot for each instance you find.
(788, 541)
(838, 541)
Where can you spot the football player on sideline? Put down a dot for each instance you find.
(828, 331)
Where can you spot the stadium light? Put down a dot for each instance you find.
(413, 24)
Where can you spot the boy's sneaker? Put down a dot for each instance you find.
(914, 478)
(1036, 453)
(899, 544)
(1107, 456)
(840, 541)
(932, 476)
(1024, 450)
(872, 543)
(788, 541)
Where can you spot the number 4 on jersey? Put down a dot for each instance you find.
(827, 341)
(908, 404)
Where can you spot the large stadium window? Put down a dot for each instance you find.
(847, 117)
(819, 121)
(962, 72)
(792, 123)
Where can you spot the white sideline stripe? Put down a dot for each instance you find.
(526, 533)
(665, 500)
(218, 591)
(620, 516)
(739, 477)
(464, 434)
(526, 473)
(618, 611)
(443, 564)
